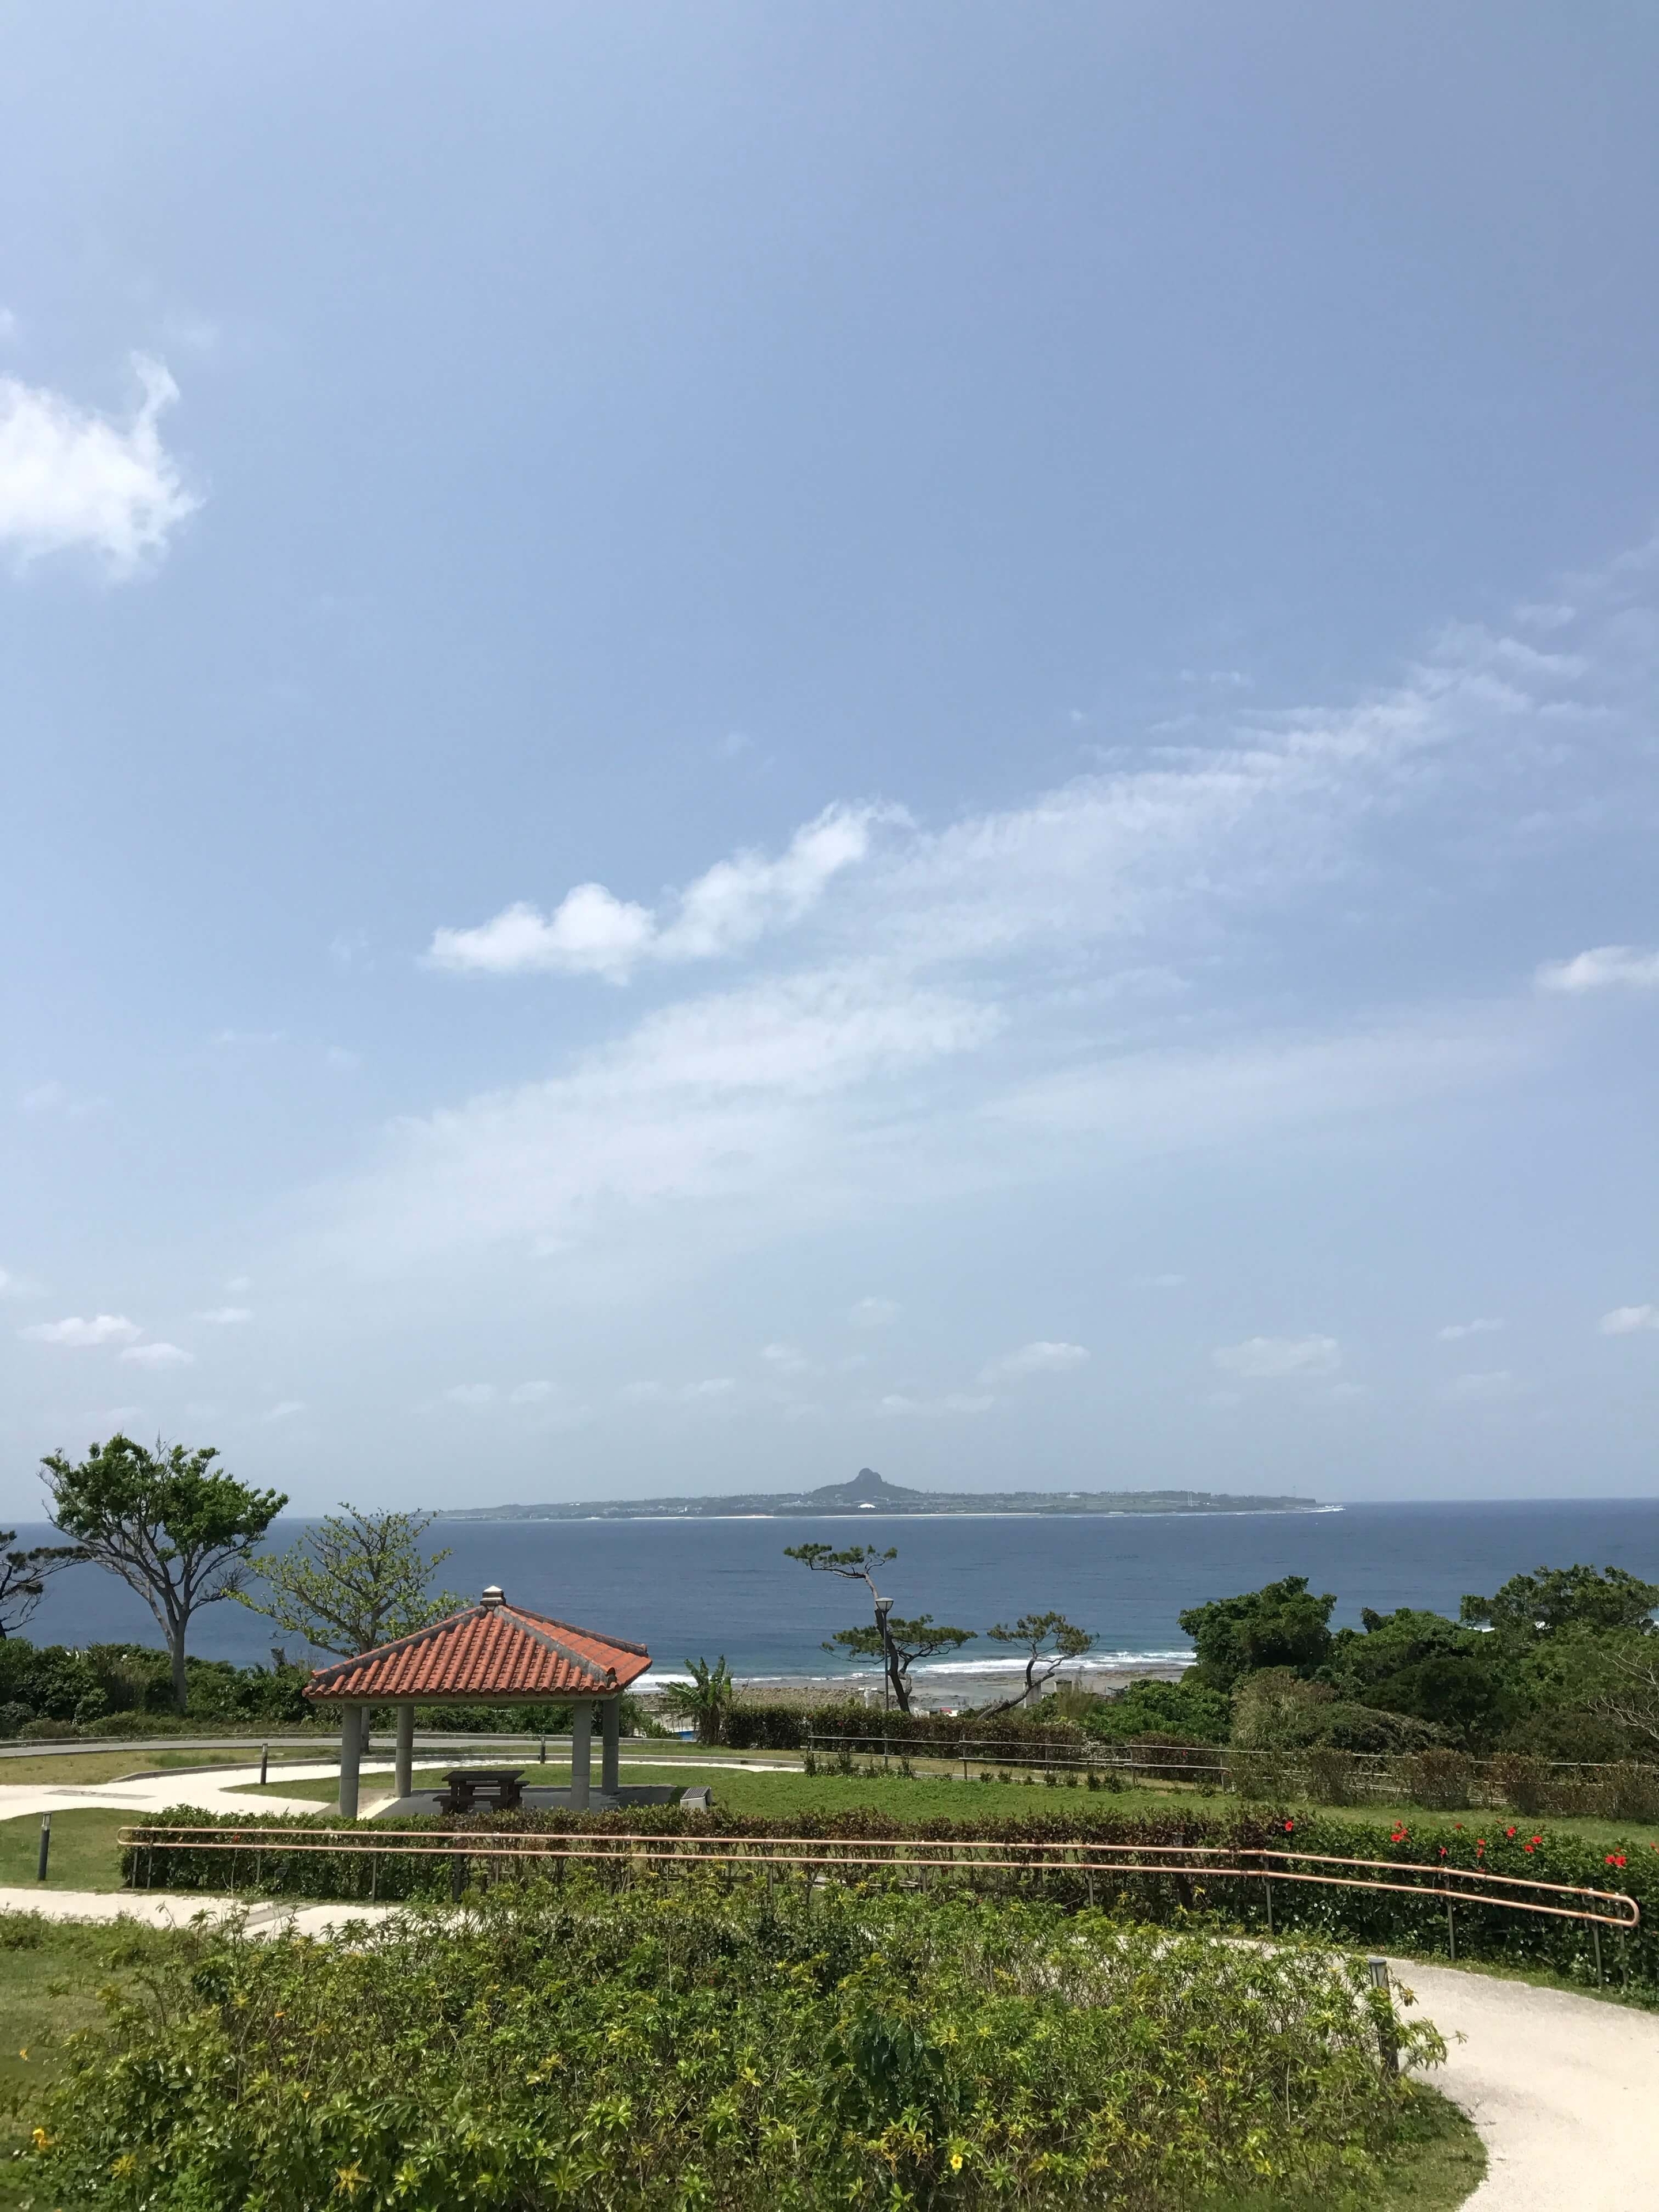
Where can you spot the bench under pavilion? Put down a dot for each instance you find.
(492, 1653)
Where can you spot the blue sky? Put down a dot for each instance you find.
(748, 740)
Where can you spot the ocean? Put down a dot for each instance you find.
(705, 1588)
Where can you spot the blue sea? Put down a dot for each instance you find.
(694, 1590)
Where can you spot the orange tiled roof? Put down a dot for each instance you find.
(490, 1651)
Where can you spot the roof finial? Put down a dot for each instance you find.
(492, 1594)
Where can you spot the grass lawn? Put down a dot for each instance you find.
(926, 1796)
(51, 1972)
(84, 1851)
(67, 1769)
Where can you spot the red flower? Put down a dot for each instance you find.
(1289, 1825)
(1443, 1850)
(1509, 1832)
(1526, 1847)
(1615, 1858)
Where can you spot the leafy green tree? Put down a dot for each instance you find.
(23, 1578)
(1281, 1624)
(354, 1581)
(1554, 1599)
(899, 1645)
(176, 1528)
(706, 1698)
(1048, 1640)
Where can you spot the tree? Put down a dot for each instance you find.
(1558, 1598)
(23, 1578)
(1048, 1640)
(899, 1645)
(1281, 1624)
(354, 1581)
(858, 1564)
(706, 1698)
(176, 1528)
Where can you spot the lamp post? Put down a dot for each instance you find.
(884, 1606)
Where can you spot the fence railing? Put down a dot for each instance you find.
(1436, 1777)
(914, 1859)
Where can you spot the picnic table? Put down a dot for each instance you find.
(501, 1787)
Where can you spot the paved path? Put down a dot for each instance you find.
(218, 1788)
(159, 1909)
(1563, 2089)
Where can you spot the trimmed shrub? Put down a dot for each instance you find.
(648, 2052)
(14, 1718)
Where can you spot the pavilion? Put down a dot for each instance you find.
(489, 1653)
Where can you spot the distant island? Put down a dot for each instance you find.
(868, 1492)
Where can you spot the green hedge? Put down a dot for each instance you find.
(1379, 1919)
(697, 2051)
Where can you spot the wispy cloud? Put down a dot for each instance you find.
(226, 1316)
(284, 1409)
(1627, 1321)
(593, 933)
(157, 1355)
(1603, 968)
(1270, 1358)
(1455, 1331)
(1042, 1357)
(713, 1388)
(471, 1394)
(1483, 1388)
(949, 1023)
(953, 1402)
(71, 478)
(102, 1328)
(873, 1313)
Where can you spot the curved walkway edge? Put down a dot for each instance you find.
(1563, 2089)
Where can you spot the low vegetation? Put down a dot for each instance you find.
(701, 2047)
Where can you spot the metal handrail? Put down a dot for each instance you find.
(918, 1854)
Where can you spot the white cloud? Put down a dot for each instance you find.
(471, 1393)
(934, 1030)
(1272, 1358)
(1625, 1321)
(530, 1394)
(1496, 1382)
(72, 478)
(682, 1394)
(158, 1355)
(786, 1358)
(226, 1316)
(955, 1401)
(593, 933)
(1039, 1359)
(873, 1313)
(102, 1328)
(284, 1409)
(1603, 968)
(1455, 1331)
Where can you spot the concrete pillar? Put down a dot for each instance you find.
(581, 1753)
(610, 1746)
(405, 1749)
(351, 1752)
